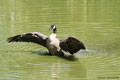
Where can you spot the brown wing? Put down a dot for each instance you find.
(34, 37)
(72, 45)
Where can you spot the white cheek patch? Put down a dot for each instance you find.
(54, 27)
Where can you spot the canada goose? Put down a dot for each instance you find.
(55, 46)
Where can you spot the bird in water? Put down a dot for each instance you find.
(55, 46)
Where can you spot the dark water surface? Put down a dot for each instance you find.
(94, 22)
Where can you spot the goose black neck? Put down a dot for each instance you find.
(55, 30)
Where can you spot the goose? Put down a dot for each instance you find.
(55, 46)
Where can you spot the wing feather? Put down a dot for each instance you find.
(34, 37)
(72, 45)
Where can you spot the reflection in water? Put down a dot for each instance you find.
(66, 56)
(41, 69)
(56, 69)
(70, 58)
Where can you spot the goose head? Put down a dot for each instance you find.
(54, 28)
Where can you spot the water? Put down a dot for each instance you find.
(94, 22)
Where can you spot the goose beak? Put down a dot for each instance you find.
(50, 29)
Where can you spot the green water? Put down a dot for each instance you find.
(95, 22)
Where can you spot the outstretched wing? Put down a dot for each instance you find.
(34, 37)
(72, 45)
